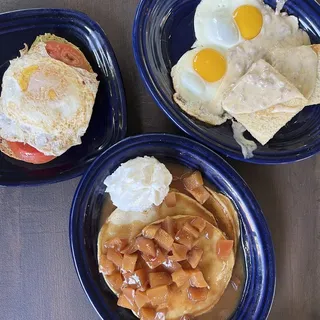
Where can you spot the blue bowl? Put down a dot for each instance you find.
(163, 31)
(255, 237)
(108, 122)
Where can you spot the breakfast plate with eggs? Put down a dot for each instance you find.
(241, 76)
(62, 100)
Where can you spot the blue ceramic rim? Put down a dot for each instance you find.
(184, 125)
(122, 129)
(263, 236)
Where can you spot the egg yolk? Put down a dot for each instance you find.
(25, 77)
(210, 65)
(249, 20)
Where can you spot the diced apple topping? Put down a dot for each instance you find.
(116, 243)
(198, 223)
(164, 240)
(115, 281)
(180, 277)
(130, 294)
(190, 229)
(130, 248)
(168, 225)
(157, 279)
(150, 231)
(200, 194)
(224, 248)
(195, 256)
(197, 294)
(179, 252)
(136, 280)
(209, 231)
(115, 256)
(161, 314)
(197, 280)
(154, 262)
(193, 181)
(141, 299)
(171, 265)
(129, 262)
(185, 238)
(160, 260)
(170, 200)
(106, 266)
(158, 295)
(147, 314)
(146, 246)
(124, 302)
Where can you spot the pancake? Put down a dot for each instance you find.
(225, 214)
(129, 224)
(216, 272)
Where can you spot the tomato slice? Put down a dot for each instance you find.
(27, 153)
(66, 53)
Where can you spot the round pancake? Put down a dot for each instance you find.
(227, 217)
(216, 272)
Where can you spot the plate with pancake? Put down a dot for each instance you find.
(161, 227)
(62, 98)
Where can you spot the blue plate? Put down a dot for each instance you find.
(163, 31)
(255, 237)
(108, 122)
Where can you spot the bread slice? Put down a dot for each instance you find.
(4, 148)
(263, 125)
(259, 89)
(315, 97)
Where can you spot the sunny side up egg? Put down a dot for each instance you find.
(227, 22)
(196, 79)
(46, 103)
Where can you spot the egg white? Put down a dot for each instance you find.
(54, 109)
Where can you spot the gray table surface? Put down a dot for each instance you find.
(37, 276)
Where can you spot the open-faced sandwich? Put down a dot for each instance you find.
(48, 93)
(169, 245)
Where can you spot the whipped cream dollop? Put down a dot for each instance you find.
(138, 184)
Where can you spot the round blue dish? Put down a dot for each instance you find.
(108, 122)
(163, 31)
(255, 236)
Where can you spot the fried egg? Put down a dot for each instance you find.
(46, 103)
(229, 22)
(196, 80)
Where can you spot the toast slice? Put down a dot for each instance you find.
(263, 125)
(4, 148)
